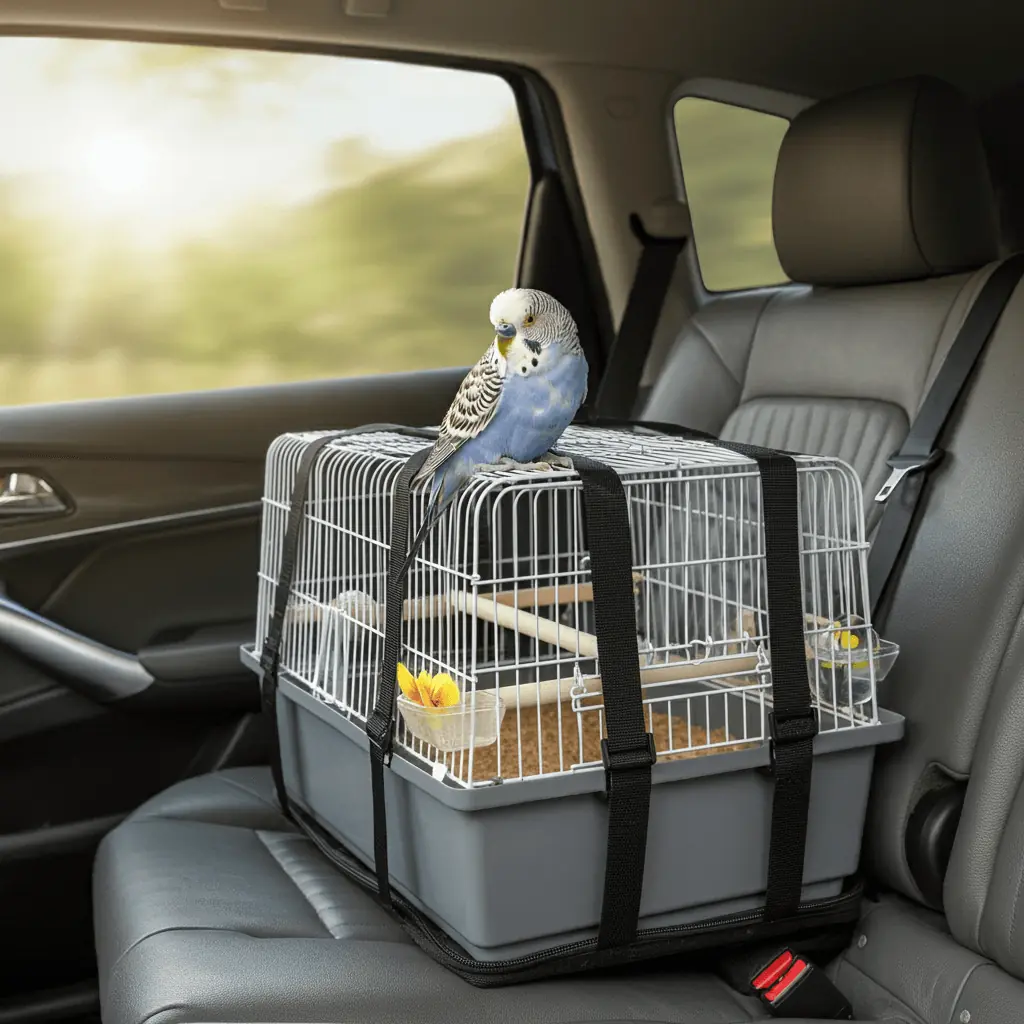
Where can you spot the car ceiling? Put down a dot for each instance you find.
(808, 47)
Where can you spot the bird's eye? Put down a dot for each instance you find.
(528, 319)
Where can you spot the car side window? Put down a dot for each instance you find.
(728, 155)
(176, 218)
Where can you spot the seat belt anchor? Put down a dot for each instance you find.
(791, 986)
(901, 466)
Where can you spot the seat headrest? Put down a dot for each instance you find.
(889, 183)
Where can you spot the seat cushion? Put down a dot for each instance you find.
(904, 964)
(210, 906)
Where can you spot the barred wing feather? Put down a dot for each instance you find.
(471, 410)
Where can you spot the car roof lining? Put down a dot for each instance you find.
(777, 44)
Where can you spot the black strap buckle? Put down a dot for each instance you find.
(791, 986)
(381, 734)
(270, 656)
(906, 465)
(634, 759)
(791, 729)
(270, 663)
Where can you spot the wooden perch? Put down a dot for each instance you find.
(358, 604)
(552, 691)
(546, 597)
(578, 641)
(546, 630)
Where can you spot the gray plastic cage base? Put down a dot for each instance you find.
(513, 869)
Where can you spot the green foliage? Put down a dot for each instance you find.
(728, 156)
(217, 77)
(24, 289)
(392, 272)
(391, 267)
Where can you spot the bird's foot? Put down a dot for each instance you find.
(543, 465)
(506, 463)
(557, 461)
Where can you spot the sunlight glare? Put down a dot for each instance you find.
(118, 169)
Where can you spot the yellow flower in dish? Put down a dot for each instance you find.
(430, 691)
(847, 640)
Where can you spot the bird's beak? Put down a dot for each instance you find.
(506, 331)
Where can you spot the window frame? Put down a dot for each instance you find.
(754, 98)
(545, 138)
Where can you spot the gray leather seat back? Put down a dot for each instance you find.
(868, 210)
(890, 244)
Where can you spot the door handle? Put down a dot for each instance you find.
(25, 494)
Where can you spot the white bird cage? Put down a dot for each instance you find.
(499, 599)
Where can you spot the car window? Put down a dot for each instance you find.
(728, 155)
(175, 218)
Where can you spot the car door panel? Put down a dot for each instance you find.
(120, 620)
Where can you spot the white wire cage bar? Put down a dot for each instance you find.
(499, 601)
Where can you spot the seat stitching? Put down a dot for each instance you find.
(180, 928)
(315, 887)
(753, 335)
(914, 109)
(976, 931)
(971, 279)
(699, 328)
(316, 910)
(1016, 895)
(884, 988)
(962, 986)
(253, 793)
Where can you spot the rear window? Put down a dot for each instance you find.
(174, 218)
(728, 155)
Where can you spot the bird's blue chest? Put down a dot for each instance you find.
(537, 406)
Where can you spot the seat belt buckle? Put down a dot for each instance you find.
(791, 986)
(901, 466)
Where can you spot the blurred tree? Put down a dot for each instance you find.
(24, 291)
(215, 76)
(392, 266)
(395, 272)
(728, 157)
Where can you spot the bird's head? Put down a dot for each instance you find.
(532, 315)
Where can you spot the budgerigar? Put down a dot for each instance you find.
(518, 399)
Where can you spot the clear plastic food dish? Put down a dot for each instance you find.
(474, 722)
(840, 680)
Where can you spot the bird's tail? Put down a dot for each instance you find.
(440, 499)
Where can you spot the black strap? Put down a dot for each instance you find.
(621, 378)
(628, 752)
(920, 452)
(270, 654)
(792, 721)
(380, 726)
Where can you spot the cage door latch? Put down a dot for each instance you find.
(906, 465)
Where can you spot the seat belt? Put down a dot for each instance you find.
(920, 453)
(788, 983)
(620, 382)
